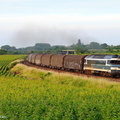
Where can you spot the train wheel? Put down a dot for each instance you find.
(117, 76)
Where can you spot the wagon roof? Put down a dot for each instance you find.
(102, 56)
(75, 56)
(58, 56)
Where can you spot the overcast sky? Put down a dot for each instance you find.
(26, 22)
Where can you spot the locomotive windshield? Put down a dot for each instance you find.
(115, 62)
(99, 62)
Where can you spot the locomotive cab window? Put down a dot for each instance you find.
(99, 62)
(115, 62)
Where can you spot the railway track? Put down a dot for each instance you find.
(71, 72)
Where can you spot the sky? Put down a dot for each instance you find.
(59, 22)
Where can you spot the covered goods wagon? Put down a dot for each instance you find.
(74, 62)
(57, 61)
(38, 59)
(46, 59)
(33, 58)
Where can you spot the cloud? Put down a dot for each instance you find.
(59, 17)
(12, 0)
(64, 29)
(31, 34)
(25, 31)
(90, 22)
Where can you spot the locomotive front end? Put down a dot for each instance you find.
(115, 66)
(105, 65)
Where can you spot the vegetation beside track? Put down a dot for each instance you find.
(34, 94)
(7, 62)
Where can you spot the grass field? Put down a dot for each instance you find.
(34, 94)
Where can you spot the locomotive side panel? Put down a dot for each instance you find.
(57, 61)
(74, 62)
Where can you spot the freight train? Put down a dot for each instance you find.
(105, 65)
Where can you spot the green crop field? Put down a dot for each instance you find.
(34, 94)
(6, 63)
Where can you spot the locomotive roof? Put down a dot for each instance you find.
(103, 57)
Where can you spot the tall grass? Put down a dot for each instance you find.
(6, 63)
(45, 95)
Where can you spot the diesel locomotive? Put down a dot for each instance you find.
(105, 65)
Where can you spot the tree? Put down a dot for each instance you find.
(110, 49)
(104, 46)
(95, 45)
(57, 48)
(9, 48)
(42, 46)
(79, 43)
(82, 49)
(12, 49)
(6, 47)
(3, 52)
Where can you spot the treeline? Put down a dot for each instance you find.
(93, 47)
